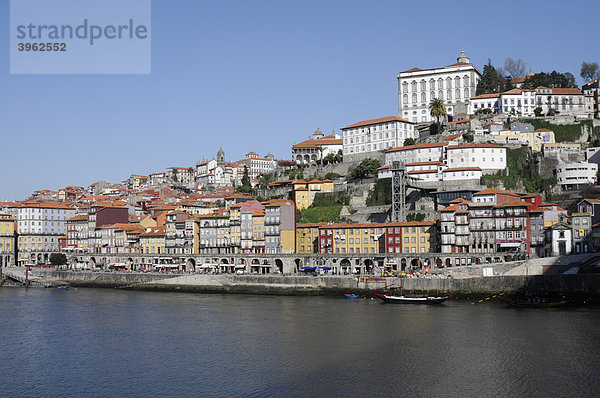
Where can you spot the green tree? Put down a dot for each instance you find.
(553, 79)
(339, 157)
(415, 217)
(246, 178)
(329, 159)
(589, 71)
(58, 259)
(381, 194)
(243, 189)
(483, 111)
(468, 137)
(367, 168)
(409, 141)
(492, 81)
(538, 111)
(332, 176)
(437, 109)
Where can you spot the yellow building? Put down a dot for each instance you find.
(153, 241)
(355, 238)
(304, 192)
(535, 139)
(418, 236)
(7, 240)
(235, 217)
(258, 231)
(307, 238)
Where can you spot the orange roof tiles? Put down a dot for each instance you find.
(377, 121)
(491, 191)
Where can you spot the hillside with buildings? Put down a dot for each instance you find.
(456, 171)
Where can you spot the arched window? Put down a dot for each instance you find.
(414, 98)
(405, 99)
(432, 84)
(457, 93)
(413, 86)
(441, 95)
(431, 95)
(440, 84)
(466, 81)
(405, 87)
(449, 93)
(423, 97)
(457, 82)
(467, 94)
(423, 85)
(448, 83)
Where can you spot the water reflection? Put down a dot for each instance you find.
(121, 343)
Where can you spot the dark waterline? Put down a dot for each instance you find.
(108, 343)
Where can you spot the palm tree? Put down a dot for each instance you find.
(437, 109)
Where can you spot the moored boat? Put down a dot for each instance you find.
(411, 300)
(533, 302)
(63, 287)
(350, 296)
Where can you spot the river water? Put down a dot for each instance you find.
(110, 343)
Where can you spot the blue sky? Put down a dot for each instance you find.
(259, 76)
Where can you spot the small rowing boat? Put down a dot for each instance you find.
(350, 296)
(411, 300)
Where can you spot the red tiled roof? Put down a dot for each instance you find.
(377, 121)
(465, 146)
(566, 91)
(494, 191)
(460, 121)
(415, 69)
(311, 143)
(483, 96)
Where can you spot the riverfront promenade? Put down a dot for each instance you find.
(541, 275)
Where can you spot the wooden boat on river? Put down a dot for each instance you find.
(411, 300)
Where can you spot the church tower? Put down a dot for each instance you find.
(221, 157)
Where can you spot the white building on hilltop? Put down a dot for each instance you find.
(374, 135)
(454, 84)
(315, 149)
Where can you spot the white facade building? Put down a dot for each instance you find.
(444, 162)
(572, 176)
(486, 156)
(315, 149)
(416, 153)
(568, 101)
(258, 166)
(454, 84)
(485, 101)
(518, 102)
(377, 135)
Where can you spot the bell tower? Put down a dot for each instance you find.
(462, 58)
(220, 157)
